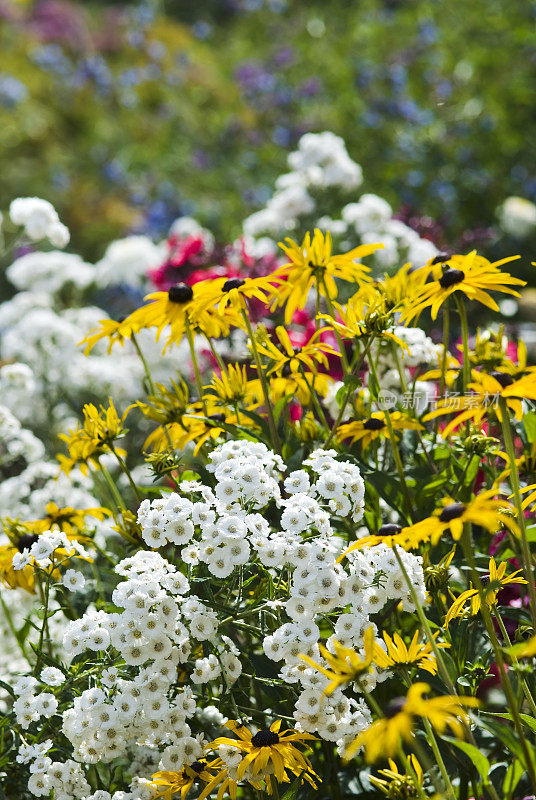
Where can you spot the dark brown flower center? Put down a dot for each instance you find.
(502, 377)
(450, 277)
(26, 541)
(389, 529)
(453, 511)
(394, 707)
(232, 283)
(180, 293)
(265, 738)
(374, 424)
(217, 417)
(440, 259)
(197, 766)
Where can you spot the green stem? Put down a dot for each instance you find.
(514, 482)
(113, 488)
(197, 373)
(148, 376)
(314, 398)
(439, 758)
(505, 680)
(354, 368)
(274, 787)
(45, 596)
(394, 447)
(466, 366)
(523, 682)
(126, 471)
(276, 442)
(340, 342)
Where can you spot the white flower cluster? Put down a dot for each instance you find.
(128, 261)
(40, 220)
(517, 217)
(320, 162)
(50, 272)
(18, 446)
(42, 550)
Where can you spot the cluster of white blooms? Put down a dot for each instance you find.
(128, 261)
(30, 707)
(41, 552)
(322, 161)
(18, 446)
(50, 272)
(517, 217)
(40, 220)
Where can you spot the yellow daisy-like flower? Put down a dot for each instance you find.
(368, 430)
(398, 654)
(232, 293)
(98, 432)
(292, 359)
(345, 665)
(472, 275)
(67, 519)
(367, 313)
(313, 264)
(298, 385)
(15, 578)
(233, 386)
(485, 510)
(269, 752)
(182, 305)
(166, 783)
(486, 389)
(395, 784)
(382, 739)
(497, 581)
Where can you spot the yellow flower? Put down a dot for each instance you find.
(398, 785)
(176, 308)
(298, 385)
(367, 313)
(67, 519)
(484, 511)
(168, 783)
(345, 665)
(366, 431)
(416, 654)
(472, 275)
(15, 578)
(231, 293)
(487, 389)
(269, 751)
(497, 581)
(290, 359)
(382, 739)
(233, 386)
(98, 432)
(313, 264)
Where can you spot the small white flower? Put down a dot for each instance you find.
(73, 580)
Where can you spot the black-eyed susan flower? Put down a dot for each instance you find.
(233, 386)
(167, 784)
(101, 427)
(298, 385)
(67, 519)
(367, 314)
(224, 294)
(497, 581)
(383, 738)
(471, 275)
(313, 264)
(269, 751)
(117, 332)
(289, 359)
(399, 655)
(345, 665)
(375, 427)
(399, 785)
(16, 578)
(486, 510)
(487, 390)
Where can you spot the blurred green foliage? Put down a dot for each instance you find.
(126, 116)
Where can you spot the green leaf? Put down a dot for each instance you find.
(512, 778)
(529, 421)
(479, 759)
(292, 791)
